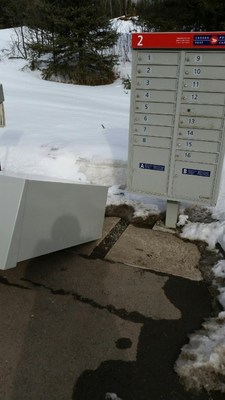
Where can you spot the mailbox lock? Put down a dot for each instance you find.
(185, 85)
(186, 72)
(184, 98)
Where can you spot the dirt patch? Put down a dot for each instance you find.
(127, 213)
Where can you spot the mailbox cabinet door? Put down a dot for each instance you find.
(150, 170)
(193, 181)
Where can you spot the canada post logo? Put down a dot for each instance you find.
(209, 40)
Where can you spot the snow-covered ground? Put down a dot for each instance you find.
(81, 133)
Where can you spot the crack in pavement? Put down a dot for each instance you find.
(132, 316)
(4, 281)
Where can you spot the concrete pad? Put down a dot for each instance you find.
(157, 251)
(87, 248)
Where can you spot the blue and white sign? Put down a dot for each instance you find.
(153, 167)
(196, 172)
(209, 40)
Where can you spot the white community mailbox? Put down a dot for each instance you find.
(42, 216)
(176, 145)
(39, 217)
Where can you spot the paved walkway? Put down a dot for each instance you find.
(105, 317)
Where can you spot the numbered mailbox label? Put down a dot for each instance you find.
(156, 83)
(157, 57)
(195, 156)
(204, 72)
(200, 134)
(193, 58)
(204, 85)
(162, 131)
(207, 58)
(203, 98)
(154, 119)
(161, 96)
(197, 145)
(201, 122)
(152, 141)
(160, 71)
(154, 108)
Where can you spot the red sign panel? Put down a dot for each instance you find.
(179, 40)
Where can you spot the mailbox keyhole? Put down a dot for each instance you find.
(189, 109)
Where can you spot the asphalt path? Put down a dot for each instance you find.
(78, 328)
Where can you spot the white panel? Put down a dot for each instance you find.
(150, 170)
(198, 145)
(200, 122)
(11, 200)
(157, 71)
(152, 141)
(204, 72)
(202, 110)
(192, 156)
(154, 108)
(39, 217)
(204, 85)
(161, 96)
(154, 119)
(156, 83)
(163, 131)
(157, 57)
(58, 215)
(205, 58)
(200, 134)
(203, 98)
(193, 181)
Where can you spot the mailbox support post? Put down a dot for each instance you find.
(2, 115)
(172, 210)
(2, 112)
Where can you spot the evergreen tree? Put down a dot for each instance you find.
(12, 13)
(182, 15)
(4, 22)
(117, 8)
(76, 37)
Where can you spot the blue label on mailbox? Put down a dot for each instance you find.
(209, 40)
(196, 172)
(153, 167)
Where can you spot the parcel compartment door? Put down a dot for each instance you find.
(193, 181)
(150, 170)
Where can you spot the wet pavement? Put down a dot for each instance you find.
(78, 324)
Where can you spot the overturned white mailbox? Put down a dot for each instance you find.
(177, 144)
(39, 217)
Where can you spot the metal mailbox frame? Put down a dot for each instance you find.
(177, 117)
